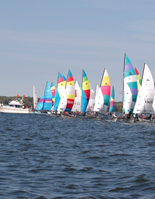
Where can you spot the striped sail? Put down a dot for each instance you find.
(106, 89)
(65, 80)
(85, 91)
(70, 91)
(130, 80)
(78, 99)
(40, 104)
(139, 80)
(59, 91)
(47, 98)
(61, 84)
(53, 91)
(112, 100)
(146, 93)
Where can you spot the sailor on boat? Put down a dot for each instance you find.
(113, 115)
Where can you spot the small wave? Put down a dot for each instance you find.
(117, 189)
(8, 129)
(69, 169)
(72, 186)
(86, 169)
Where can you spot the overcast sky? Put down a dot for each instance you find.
(39, 38)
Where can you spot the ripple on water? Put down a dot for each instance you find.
(50, 157)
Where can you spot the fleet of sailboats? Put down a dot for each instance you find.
(69, 97)
(138, 94)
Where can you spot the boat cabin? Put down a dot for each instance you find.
(16, 104)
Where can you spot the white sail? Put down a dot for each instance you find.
(128, 99)
(63, 103)
(91, 103)
(99, 102)
(139, 106)
(153, 105)
(146, 93)
(35, 98)
(78, 98)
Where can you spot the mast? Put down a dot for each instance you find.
(143, 73)
(123, 79)
(102, 77)
(142, 80)
(57, 80)
(81, 89)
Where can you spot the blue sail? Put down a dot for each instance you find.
(84, 102)
(40, 104)
(47, 98)
(112, 100)
(57, 101)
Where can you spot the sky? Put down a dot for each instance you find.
(39, 38)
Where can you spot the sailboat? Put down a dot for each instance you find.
(59, 91)
(53, 91)
(68, 96)
(146, 93)
(78, 98)
(35, 98)
(91, 103)
(99, 101)
(139, 80)
(40, 104)
(112, 100)
(47, 98)
(70, 91)
(102, 98)
(85, 92)
(130, 86)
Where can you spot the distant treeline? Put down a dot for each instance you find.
(29, 102)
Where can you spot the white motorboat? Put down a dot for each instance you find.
(14, 107)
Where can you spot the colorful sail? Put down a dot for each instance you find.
(40, 104)
(59, 91)
(112, 100)
(130, 80)
(61, 84)
(57, 101)
(139, 80)
(70, 90)
(53, 91)
(65, 79)
(85, 91)
(106, 89)
(47, 98)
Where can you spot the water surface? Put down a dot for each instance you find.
(49, 157)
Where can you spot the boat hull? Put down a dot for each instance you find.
(5, 109)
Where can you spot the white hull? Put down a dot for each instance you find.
(7, 109)
(145, 120)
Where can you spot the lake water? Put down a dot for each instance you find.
(48, 157)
